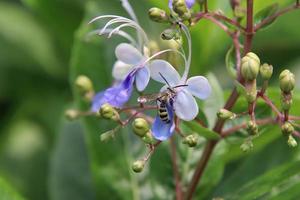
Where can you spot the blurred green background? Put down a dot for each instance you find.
(43, 48)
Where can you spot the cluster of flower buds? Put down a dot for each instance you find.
(287, 84)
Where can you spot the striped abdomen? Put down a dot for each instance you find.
(163, 112)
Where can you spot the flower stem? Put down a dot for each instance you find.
(179, 194)
(249, 28)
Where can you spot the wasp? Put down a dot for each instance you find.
(164, 100)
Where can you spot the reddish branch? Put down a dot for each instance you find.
(179, 193)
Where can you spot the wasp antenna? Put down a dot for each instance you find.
(164, 79)
(177, 86)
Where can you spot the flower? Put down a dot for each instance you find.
(189, 3)
(184, 104)
(130, 67)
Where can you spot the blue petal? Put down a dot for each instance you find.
(189, 3)
(161, 130)
(142, 78)
(116, 96)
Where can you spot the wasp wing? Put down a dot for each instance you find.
(150, 97)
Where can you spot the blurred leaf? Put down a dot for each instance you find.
(215, 101)
(70, 176)
(230, 62)
(202, 131)
(7, 192)
(26, 43)
(265, 13)
(270, 184)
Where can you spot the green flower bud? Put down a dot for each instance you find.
(158, 15)
(84, 84)
(72, 114)
(286, 101)
(291, 141)
(266, 71)
(148, 138)
(179, 7)
(140, 127)
(286, 81)
(191, 140)
(170, 34)
(287, 128)
(138, 166)
(252, 128)
(107, 111)
(250, 66)
(251, 91)
(247, 146)
(225, 114)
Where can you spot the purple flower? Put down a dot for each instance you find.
(129, 69)
(189, 3)
(184, 106)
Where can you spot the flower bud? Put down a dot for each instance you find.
(158, 15)
(225, 114)
(72, 114)
(191, 140)
(170, 34)
(287, 128)
(140, 127)
(250, 66)
(247, 146)
(286, 81)
(138, 166)
(291, 141)
(107, 111)
(266, 71)
(84, 84)
(252, 128)
(286, 101)
(148, 138)
(180, 7)
(251, 91)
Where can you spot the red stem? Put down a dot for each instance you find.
(179, 193)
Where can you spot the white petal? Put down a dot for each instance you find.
(142, 78)
(185, 106)
(128, 54)
(121, 70)
(199, 87)
(166, 69)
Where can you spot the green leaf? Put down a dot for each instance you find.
(270, 184)
(26, 43)
(70, 175)
(265, 13)
(215, 101)
(202, 131)
(230, 62)
(7, 192)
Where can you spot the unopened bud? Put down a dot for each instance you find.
(84, 84)
(252, 128)
(266, 71)
(247, 146)
(180, 7)
(191, 140)
(291, 141)
(107, 111)
(72, 114)
(286, 81)
(140, 127)
(250, 66)
(287, 128)
(148, 138)
(286, 101)
(158, 15)
(138, 166)
(170, 34)
(225, 114)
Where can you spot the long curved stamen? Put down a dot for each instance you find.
(119, 19)
(108, 31)
(162, 52)
(188, 63)
(126, 5)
